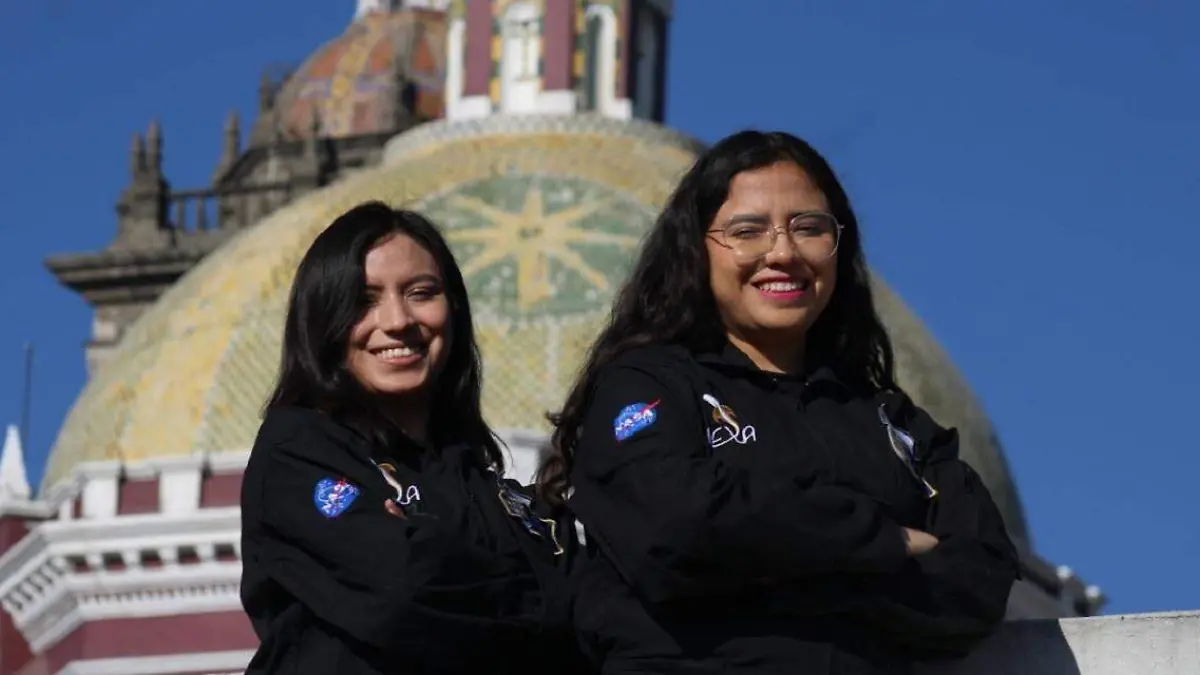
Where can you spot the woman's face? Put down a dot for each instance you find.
(402, 341)
(771, 298)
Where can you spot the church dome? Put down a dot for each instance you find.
(543, 213)
(355, 82)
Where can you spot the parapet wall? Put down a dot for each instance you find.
(1130, 644)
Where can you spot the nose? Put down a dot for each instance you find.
(392, 315)
(783, 249)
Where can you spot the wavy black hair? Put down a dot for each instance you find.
(668, 299)
(328, 298)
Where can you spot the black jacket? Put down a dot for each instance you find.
(333, 583)
(746, 522)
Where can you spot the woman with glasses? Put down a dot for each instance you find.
(757, 494)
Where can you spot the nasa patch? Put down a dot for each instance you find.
(333, 497)
(634, 418)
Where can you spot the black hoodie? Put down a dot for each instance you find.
(470, 580)
(740, 521)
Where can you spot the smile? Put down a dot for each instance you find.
(399, 355)
(784, 289)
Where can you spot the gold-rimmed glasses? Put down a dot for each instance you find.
(815, 234)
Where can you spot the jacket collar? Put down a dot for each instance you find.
(730, 358)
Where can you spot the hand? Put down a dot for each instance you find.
(393, 508)
(918, 542)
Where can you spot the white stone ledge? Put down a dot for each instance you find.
(1166, 643)
(232, 662)
(1131, 644)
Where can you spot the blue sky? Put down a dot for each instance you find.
(1025, 173)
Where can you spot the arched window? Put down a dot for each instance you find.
(591, 63)
(456, 39)
(520, 60)
(600, 59)
(647, 66)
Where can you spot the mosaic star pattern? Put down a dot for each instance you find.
(556, 251)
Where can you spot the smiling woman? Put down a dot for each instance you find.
(401, 341)
(382, 295)
(768, 308)
(374, 519)
(759, 495)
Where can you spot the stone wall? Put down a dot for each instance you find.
(1130, 644)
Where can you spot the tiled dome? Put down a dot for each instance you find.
(543, 213)
(351, 81)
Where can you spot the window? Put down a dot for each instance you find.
(646, 71)
(592, 64)
(520, 77)
(600, 60)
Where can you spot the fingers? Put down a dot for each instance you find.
(919, 542)
(394, 509)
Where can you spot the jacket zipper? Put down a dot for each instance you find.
(906, 452)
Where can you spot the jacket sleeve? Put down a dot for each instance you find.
(560, 649)
(947, 600)
(677, 521)
(382, 580)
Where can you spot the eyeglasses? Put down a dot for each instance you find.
(815, 234)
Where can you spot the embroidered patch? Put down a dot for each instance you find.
(728, 429)
(404, 495)
(518, 505)
(634, 418)
(906, 449)
(333, 497)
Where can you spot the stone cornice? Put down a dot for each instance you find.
(105, 260)
(34, 510)
(115, 276)
(210, 663)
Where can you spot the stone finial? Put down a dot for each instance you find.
(266, 92)
(154, 145)
(233, 137)
(14, 484)
(137, 156)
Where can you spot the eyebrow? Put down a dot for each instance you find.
(755, 218)
(764, 219)
(420, 278)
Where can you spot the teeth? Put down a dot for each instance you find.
(781, 286)
(397, 352)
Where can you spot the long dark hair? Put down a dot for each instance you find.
(329, 296)
(668, 299)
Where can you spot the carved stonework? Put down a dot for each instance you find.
(328, 118)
